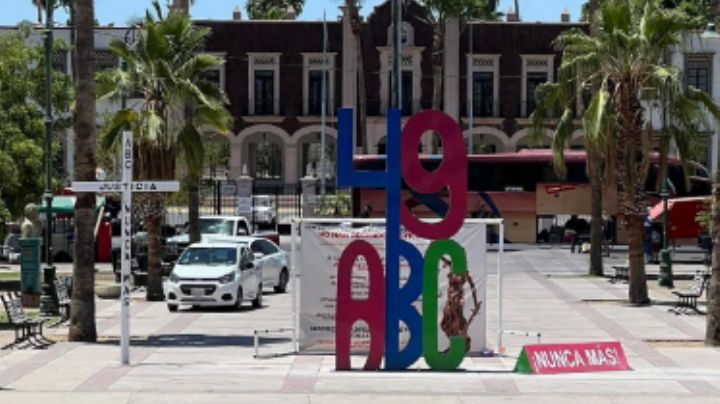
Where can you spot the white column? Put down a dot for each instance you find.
(452, 68)
(290, 164)
(236, 158)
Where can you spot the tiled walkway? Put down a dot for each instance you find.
(207, 356)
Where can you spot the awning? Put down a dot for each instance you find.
(65, 205)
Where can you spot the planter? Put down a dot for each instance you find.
(108, 291)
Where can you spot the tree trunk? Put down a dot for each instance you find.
(596, 223)
(632, 150)
(82, 317)
(637, 289)
(193, 181)
(712, 330)
(153, 221)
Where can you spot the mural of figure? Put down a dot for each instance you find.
(30, 226)
(453, 321)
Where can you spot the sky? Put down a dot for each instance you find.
(120, 12)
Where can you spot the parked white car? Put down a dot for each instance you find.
(215, 274)
(268, 257)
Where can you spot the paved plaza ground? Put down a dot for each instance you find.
(207, 356)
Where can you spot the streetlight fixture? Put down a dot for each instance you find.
(47, 300)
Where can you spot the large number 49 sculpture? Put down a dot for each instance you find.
(388, 304)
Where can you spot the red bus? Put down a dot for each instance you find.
(523, 189)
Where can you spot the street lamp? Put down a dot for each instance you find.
(665, 276)
(47, 300)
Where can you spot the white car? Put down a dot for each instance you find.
(215, 274)
(273, 262)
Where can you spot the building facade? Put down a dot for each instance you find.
(273, 74)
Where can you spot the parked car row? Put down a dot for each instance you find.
(227, 271)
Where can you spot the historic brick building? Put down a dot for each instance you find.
(273, 73)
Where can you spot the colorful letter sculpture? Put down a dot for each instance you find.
(388, 304)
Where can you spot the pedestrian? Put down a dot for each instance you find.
(366, 212)
(608, 227)
(572, 230)
(648, 242)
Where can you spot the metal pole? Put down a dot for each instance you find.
(665, 277)
(501, 250)
(470, 94)
(397, 54)
(323, 106)
(49, 4)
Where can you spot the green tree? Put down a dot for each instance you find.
(272, 9)
(82, 317)
(622, 57)
(439, 12)
(22, 130)
(166, 65)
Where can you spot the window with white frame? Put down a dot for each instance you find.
(314, 65)
(536, 70)
(485, 85)
(698, 69)
(263, 83)
(411, 91)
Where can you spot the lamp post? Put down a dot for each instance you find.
(665, 276)
(47, 300)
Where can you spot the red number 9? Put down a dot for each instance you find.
(452, 173)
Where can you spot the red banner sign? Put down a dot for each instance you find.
(571, 358)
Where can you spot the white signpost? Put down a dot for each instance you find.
(126, 187)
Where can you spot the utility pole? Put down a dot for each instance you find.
(323, 107)
(665, 277)
(48, 269)
(397, 53)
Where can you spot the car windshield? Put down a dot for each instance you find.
(216, 226)
(209, 256)
(262, 203)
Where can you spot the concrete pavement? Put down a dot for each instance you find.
(206, 356)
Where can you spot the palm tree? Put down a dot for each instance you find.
(82, 320)
(353, 9)
(622, 57)
(178, 105)
(438, 14)
(272, 9)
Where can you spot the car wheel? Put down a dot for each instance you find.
(281, 286)
(257, 302)
(172, 308)
(239, 298)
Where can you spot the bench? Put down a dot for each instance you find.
(687, 301)
(622, 274)
(63, 299)
(25, 328)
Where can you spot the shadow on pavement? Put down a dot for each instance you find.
(198, 341)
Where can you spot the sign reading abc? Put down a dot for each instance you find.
(387, 303)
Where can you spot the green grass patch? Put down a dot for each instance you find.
(9, 276)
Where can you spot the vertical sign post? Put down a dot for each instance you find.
(126, 249)
(126, 187)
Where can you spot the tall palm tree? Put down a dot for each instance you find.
(438, 14)
(353, 10)
(82, 319)
(272, 9)
(178, 105)
(621, 57)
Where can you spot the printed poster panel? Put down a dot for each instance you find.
(320, 250)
